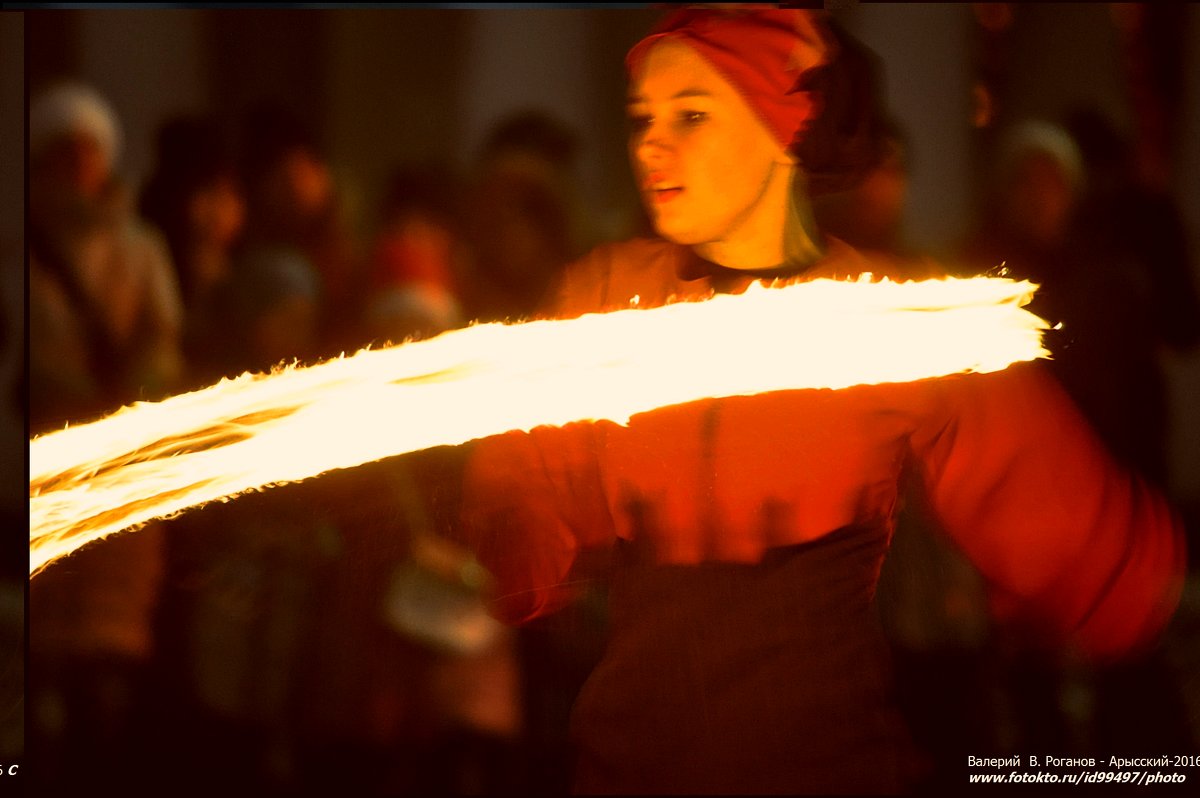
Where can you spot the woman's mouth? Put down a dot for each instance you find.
(661, 190)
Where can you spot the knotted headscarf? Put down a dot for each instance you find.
(762, 52)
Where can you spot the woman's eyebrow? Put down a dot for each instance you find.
(679, 95)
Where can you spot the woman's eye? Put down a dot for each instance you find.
(692, 117)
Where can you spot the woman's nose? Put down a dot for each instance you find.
(652, 145)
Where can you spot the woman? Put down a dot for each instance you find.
(104, 319)
(742, 538)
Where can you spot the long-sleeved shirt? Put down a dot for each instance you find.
(743, 538)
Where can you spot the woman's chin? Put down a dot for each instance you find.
(676, 234)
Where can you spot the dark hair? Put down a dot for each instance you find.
(430, 188)
(269, 132)
(192, 153)
(534, 132)
(852, 130)
(1100, 142)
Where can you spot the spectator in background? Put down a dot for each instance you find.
(1134, 301)
(1026, 212)
(104, 322)
(415, 258)
(245, 573)
(1025, 222)
(195, 199)
(434, 707)
(525, 228)
(392, 697)
(1066, 210)
(869, 214)
(105, 312)
(521, 217)
(861, 202)
(296, 280)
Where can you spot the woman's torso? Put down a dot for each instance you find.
(745, 654)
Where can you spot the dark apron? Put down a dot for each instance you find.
(735, 678)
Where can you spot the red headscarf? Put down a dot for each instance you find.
(762, 52)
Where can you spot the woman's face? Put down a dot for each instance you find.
(217, 212)
(708, 170)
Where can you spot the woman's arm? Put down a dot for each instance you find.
(534, 510)
(534, 514)
(1067, 538)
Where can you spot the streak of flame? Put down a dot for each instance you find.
(153, 460)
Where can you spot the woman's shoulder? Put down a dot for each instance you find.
(634, 254)
(616, 274)
(843, 261)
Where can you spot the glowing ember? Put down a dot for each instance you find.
(149, 461)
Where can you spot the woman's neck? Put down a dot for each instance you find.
(803, 244)
(786, 240)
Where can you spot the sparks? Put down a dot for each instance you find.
(154, 460)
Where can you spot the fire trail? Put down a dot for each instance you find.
(154, 460)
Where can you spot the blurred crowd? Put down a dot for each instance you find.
(332, 633)
(321, 633)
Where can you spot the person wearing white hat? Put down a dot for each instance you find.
(72, 128)
(104, 305)
(104, 315)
